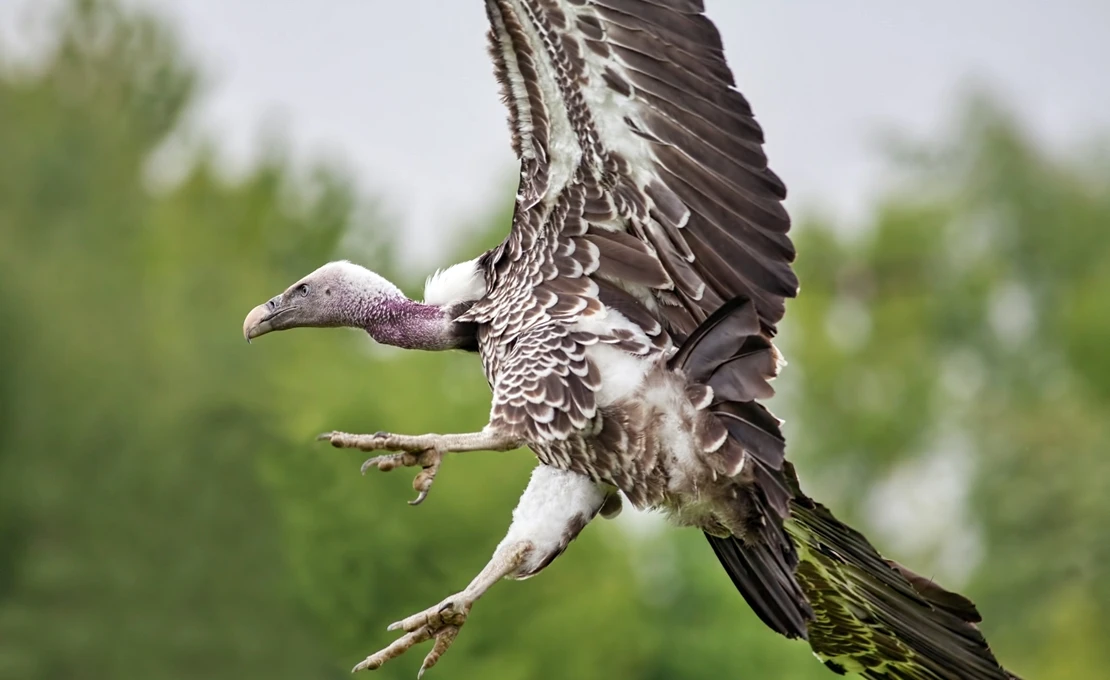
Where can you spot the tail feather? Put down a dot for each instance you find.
(804, 573)
(953, 603)
(727, 353)
(875, 617)
(764, 575)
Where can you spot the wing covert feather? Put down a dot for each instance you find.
(633, 101)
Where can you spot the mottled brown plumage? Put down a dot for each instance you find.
(682, 214)
(625, 326)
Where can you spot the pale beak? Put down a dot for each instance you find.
(257, 322)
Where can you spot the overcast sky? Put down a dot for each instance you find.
(403, 91)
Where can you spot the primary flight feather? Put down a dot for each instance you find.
(625, 326)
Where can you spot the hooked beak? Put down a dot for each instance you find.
(264, 318)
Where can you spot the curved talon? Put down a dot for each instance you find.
(399, 647)
(445, 637)
(424, 479)
(384, 462)
(335, 438)
(370, 462)
(428, 458)
(427, 625)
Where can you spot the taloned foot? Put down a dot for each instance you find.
(428, 460)
(424, 451)
(441, 623)
(421, 451)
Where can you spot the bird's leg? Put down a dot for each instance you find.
(554, 508)
(424, 451)
(443, 621)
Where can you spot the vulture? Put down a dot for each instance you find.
(625, 326)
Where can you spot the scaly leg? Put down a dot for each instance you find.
(554, 508)
(425, 451)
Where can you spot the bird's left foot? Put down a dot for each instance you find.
(441, 623)
(423, 451)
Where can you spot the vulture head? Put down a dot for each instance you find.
(343, 294)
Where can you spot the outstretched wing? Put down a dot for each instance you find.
(636, 148)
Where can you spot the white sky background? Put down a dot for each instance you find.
(402, 91)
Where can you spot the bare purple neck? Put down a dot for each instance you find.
(405, 323)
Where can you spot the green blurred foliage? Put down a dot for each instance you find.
(164, 512)
(969, 325)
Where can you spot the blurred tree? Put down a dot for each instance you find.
(950, 378)
(147, 546)
(12, 530)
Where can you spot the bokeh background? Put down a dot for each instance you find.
(164, 512)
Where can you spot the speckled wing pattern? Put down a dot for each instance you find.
(532, 349)
(634, 99)
(644, 188)
(643, 185)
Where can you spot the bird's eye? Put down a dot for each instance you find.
(302, 289)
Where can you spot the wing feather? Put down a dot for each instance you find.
(645, 192)
(637, 107)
